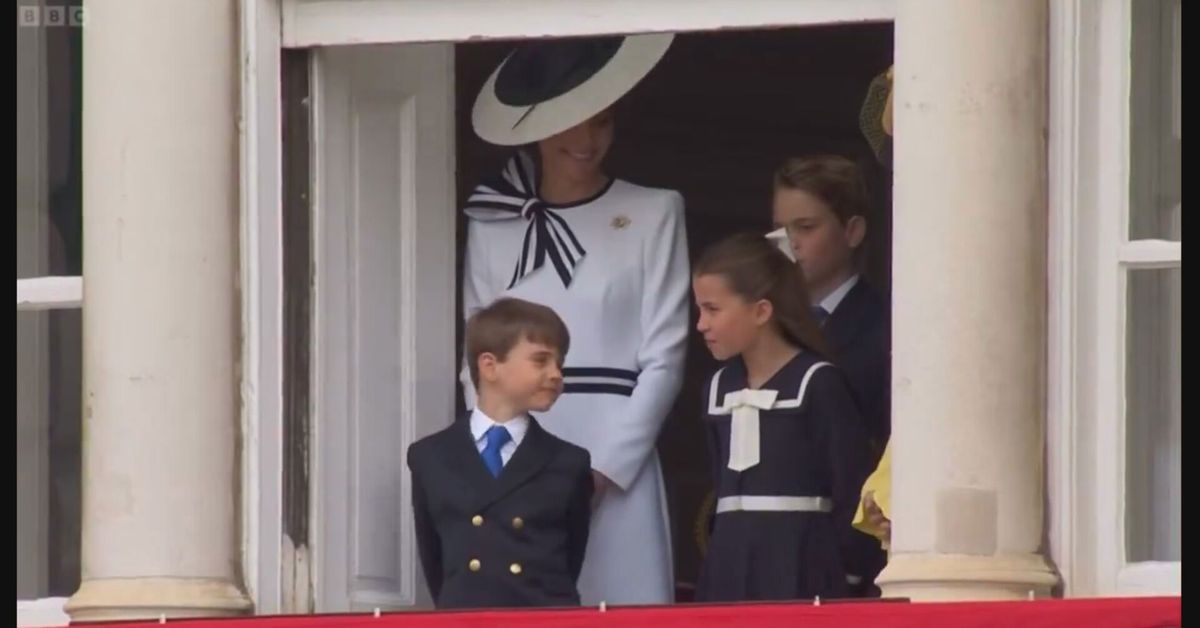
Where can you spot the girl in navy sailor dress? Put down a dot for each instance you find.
(788, 447)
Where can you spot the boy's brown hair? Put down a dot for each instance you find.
(835, 180)
(497, 328)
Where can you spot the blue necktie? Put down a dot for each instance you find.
(496, 437)
(820, 314)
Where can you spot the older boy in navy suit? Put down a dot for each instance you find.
(822, 203)
(501, 506)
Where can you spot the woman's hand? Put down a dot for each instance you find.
(602, 483)
(874, 517)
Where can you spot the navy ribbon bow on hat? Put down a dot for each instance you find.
(514, 195)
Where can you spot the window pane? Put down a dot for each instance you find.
(49, 219)
(48, 452)
(1152, 412)
(1155, 202)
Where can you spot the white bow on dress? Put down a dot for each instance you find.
(743, 428)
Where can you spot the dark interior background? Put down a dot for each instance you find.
(713, 120)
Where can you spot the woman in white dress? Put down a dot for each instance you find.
(611, 258)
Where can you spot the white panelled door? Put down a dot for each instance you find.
(384, 319)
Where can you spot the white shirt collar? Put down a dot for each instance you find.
(480, 422)
(830, 303)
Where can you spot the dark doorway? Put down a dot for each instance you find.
(714, 120)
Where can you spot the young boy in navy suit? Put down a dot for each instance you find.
(822, 203)
(501, 506)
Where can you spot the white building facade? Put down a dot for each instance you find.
(233, 465)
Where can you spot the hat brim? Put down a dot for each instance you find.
(501, 124)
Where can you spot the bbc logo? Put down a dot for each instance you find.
(62, 15)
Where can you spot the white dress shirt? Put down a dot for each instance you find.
(481, 423)
(830, 303)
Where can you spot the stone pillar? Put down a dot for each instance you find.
(161, 530)
(969, 279)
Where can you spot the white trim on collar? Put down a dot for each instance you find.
(780, 404)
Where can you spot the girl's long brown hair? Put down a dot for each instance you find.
(754, 269)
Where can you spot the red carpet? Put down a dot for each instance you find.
(1090, 613)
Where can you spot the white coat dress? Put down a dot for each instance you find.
(615, 268)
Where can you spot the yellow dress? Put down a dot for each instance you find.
(880, 483)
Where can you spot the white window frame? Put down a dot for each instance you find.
(47, 611)
(1090, 259)
(350, 22)
(49, 293)
(260, 219)
(1117, 256)
(44, 293)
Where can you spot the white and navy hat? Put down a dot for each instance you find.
(548, 86)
